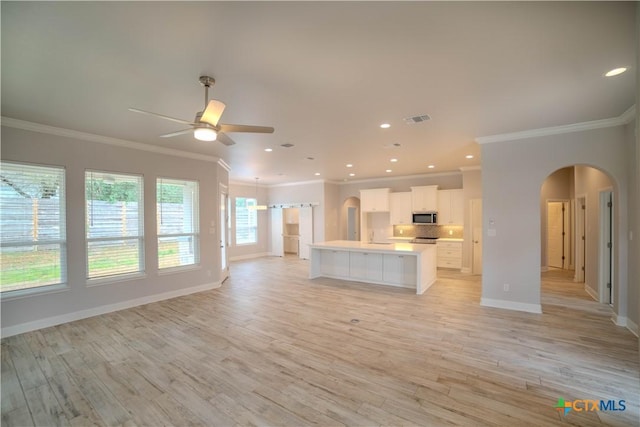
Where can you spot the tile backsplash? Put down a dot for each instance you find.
(449, 231)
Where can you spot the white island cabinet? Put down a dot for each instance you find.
(395, 264)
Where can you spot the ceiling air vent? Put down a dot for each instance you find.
(287, 145)
(416, 119)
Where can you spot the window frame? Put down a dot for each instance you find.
(62, 283)
(125, 276)
(195, 234)
(235, 220)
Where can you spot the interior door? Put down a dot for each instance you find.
(224, 235)
(306, 232)
(476, 234)
(581, 233)
(277, 238)
(352, 223)
(555, 234)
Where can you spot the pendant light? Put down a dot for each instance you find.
(257, 207)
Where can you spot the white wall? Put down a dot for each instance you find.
(512, 176)
(40, 310)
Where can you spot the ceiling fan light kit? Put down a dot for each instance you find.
(205, 126)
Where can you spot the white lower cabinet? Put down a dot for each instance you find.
(399, 270)
(449, 254)
(365, 266)
(334, 263)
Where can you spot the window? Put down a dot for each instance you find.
(114, 224)
(32, 220)
(246, 221)
(178, 224)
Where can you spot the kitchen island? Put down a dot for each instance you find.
(394, 264)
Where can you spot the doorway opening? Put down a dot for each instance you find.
(350, 219)
(577, 206)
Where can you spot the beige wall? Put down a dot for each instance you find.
(512, 176)
(40, 310)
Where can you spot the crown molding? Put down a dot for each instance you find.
(90, 137)
(470, 168)
(399, 178)
(224, 165)
(622, 119)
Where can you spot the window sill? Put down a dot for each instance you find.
(100, 281)
(30, 292)
(176, 270)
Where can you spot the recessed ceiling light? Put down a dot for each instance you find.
(469, 156)
(385, 126)
(349, 165)
(317, 174)
(268, 150)
(431, 166)
(393, 160)
(615, 71)
(352, 174)
(389, 170)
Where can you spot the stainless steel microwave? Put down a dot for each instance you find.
(425, 218)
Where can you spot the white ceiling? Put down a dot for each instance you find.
(325, 75)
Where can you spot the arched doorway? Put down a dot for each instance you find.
(577, 213)
(350, 219)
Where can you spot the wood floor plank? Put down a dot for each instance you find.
(271, 347)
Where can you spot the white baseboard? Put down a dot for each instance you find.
(633, 327)
(619, 320)
(249, 256)
(511, 305)
(593, 294)
(104, 309)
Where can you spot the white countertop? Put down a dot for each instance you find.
(450, 240)
(351, 245)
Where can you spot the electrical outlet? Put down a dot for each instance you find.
(506, 287)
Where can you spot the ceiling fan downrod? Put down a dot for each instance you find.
(207, 82)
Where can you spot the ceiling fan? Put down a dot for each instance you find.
(206, 126)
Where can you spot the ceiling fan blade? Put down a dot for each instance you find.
(180, 132)
(224, 138)
(246, 128)
(173, 119)
(213, 112)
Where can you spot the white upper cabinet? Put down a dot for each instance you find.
(374, 200)
(450, 207)
(400, 208)
(424, 199)
(291, 216)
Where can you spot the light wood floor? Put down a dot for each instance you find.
(273, 348)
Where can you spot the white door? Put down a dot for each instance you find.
(306, 231)
(555, 234)
(476, 235)
(224, 235)
(581, 235)
(277, 240)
